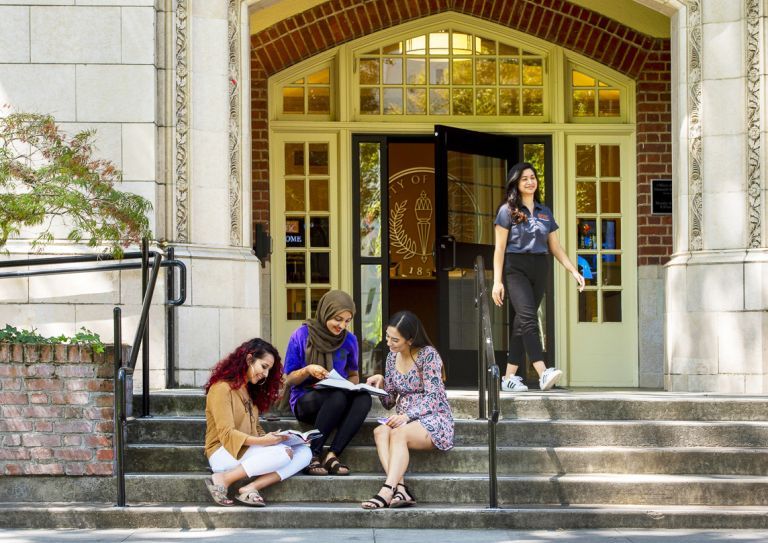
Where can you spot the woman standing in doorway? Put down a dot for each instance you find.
(320, 345)
(413, 379)
(526, 234)
(242, 384)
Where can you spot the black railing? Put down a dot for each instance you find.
(488, 376)
(123, 373)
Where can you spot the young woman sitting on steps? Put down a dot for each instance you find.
(242, 384)
(414, 380)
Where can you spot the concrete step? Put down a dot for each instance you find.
(558, 404)
(323, 515)
(523, 433)
(511, 460)
(466, 489)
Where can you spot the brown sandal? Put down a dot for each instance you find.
(334, 467)
(218, 493)
(315, 467)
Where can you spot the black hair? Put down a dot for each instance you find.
(409, 326)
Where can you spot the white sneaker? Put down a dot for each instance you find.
(513, 384)
(549, 378)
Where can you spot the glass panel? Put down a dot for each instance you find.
(461, 43)
(321, 77)
(611, 234)
(587, 234)
(393, 101)
(486, 102)
(509, 71)
(533, 71)
(318, 159)
(393, 48)
(371, 319)
(484, 46)
(438, 71)
(611, 306)
(611, 270)
(582, 80)
(610, 161)
(294, 232)
(369, 101)
(319, 232)
(370, 199)
(296, 304)
(586, 197)
(505, 49)
(294, 195)
(298, 82)
(293, 100)
(462, 101)
(509, 101)
(320, 266)
(486, 72)
(609, 103)
(438, 101)
(416, 71)
(369, 71)
(475, 188)
(416, 46)
(587, 265)
(295, 267)
(315, 295)
(610, 197)
(462, 71)
(417, 101)
(583, 103)
(393, 71)
(585, 161)
(462, 327)
(294, 159)
(588, 306)
(318, 195)
(438, 43)
(319, 100)
(533, 102)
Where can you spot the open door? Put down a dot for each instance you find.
(470, 178)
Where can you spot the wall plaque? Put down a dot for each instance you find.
(661, 196)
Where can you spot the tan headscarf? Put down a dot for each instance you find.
(322, 343)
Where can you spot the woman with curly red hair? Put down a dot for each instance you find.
(242, 384)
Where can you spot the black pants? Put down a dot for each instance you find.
(526, 280)
(333, 409)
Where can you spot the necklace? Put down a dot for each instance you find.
(247, 403)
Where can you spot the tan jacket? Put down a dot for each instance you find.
(227, 420)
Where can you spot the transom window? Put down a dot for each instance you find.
(309, 95)
(592, 97)
(450, 72)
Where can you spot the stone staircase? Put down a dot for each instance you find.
(566, 460)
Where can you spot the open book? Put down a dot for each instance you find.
(335, 380)
(298, 438)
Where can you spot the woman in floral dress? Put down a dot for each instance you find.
(414, 380)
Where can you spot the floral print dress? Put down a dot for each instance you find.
(420, 394)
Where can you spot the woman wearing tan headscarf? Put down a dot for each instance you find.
(320, 345)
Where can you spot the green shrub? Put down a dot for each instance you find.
(11, 334)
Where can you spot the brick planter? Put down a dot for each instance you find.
(56, 410)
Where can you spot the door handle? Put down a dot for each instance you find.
(445, 242)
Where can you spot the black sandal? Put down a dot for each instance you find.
(402, 498)
(334, 467)
(315, 467)
(377, 501)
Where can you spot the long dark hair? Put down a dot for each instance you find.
(512, 196)
(233, 368)
(409, 326)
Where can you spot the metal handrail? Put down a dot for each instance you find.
(487, 364)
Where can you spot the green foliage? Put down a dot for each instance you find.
(46, 174)
(11, 334)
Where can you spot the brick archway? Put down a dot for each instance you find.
(638, 56)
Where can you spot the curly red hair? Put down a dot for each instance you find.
(234, 366)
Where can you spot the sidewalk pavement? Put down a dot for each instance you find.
(383, 536)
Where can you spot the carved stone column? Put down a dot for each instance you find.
(716, 321)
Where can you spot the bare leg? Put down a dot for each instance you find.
(409, 436)
(511, 370)
(381, 436)
(226, 478)
(540, 367)
(261, 482)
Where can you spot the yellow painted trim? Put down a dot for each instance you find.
(631, 14)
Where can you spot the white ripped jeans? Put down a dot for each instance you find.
(259, 460)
